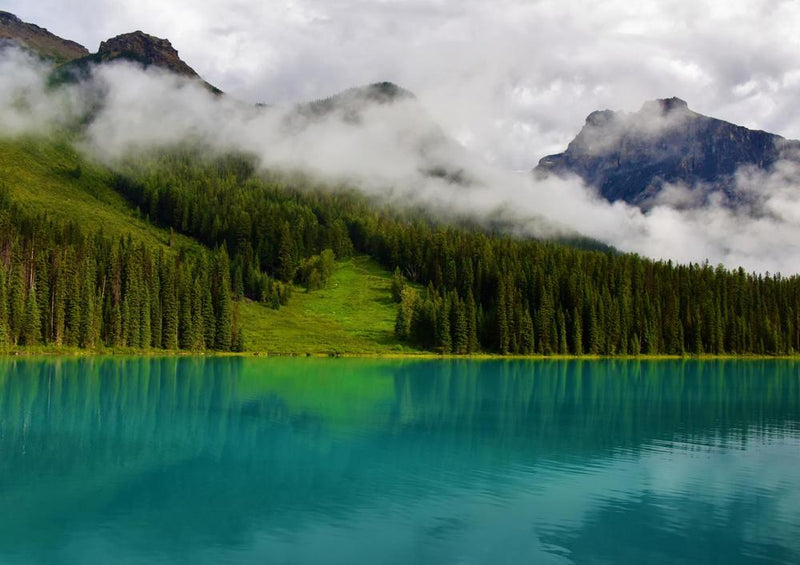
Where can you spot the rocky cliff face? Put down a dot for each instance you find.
(38, 40)
(631, 157)
(136, 47)
(145, 49)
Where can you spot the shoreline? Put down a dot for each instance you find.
(70, 352)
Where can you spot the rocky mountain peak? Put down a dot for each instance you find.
(665, 105)
(38, 40)
(599, 118)
(146, 49)
(632, 156)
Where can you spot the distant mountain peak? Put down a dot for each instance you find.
(38, 40)
(353, 101)
(382, 92)
(665, 105)
(137, 47)
(146, 49)
(632, 156)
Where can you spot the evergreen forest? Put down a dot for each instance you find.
(458, 287)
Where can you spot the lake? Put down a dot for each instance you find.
(342, 461)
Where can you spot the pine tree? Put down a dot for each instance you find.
(3, 309)
(527, 337)
(87, 325)
(31, 328)
(635, 347)
(444, 333)
(224, 311)
(286, 266)
(460, 329)
(72, 314)
(186, 337)
(577, 332)
(562, 333)
(402, 326)
(198, 323)
(398, 283)
(16, 304)
(472, 324)
(209, 321)
(170, 307)
(503, 332)
(57, 298)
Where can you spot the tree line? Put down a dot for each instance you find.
(461, 287)
(60, 286)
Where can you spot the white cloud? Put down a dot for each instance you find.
(520, 76)
(387, 152)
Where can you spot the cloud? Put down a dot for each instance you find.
(513, 79)
(25, 105)
(390, 150)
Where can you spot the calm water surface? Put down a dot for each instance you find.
(349, 461)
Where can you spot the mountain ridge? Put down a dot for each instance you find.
(135, 47)
(633, 156)
(38, 40)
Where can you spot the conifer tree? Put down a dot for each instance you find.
(286, 266)
(3, 308)
(170, 306)
(472, 323)
(31, 328)
(224, 309)
(502, 319)
(527, 337)
(209, 321)
(460, 329)
(198, 323)
(444, 333)
(16, 306)
(398, 283)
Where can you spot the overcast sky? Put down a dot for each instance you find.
(511, 79)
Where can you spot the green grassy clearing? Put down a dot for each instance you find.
(355, 314)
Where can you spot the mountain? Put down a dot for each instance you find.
(136, 47)
(398, 113)
(145, 49)
(354, 101)
(631, 156)
(182, 247)
(38, 40)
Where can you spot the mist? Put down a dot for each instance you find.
(389, 150)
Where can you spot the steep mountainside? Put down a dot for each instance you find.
(137, 47)
(38, 40)
(59, 188)
(146, 49)
(631, 156)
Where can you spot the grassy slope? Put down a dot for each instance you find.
(41, 174)
(354, 314)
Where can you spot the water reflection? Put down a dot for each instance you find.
(309, 461)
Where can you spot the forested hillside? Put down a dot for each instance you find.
(63, 287)
(255, 237)
(483, 291)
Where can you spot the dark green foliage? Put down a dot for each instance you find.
(484, 291)
(316, 271)
(221, 296)
(398, 283)
(3, 310)
(60, 287)
(571, 301)
(31, 325)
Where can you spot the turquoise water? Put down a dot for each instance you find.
(338, 461)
